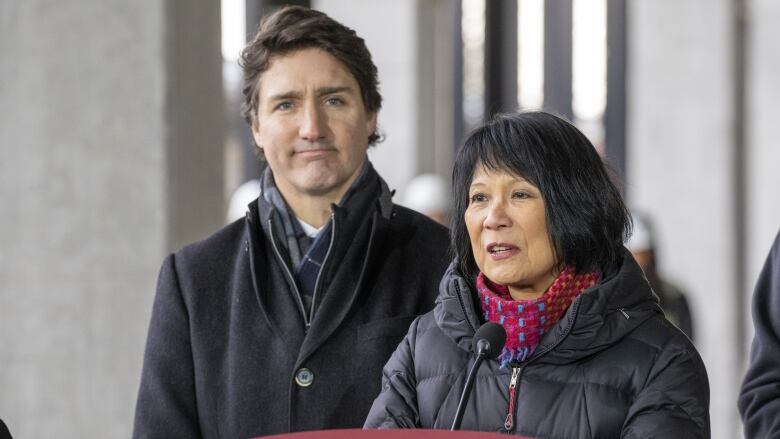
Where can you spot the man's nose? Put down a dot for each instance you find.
(312, 124)
(497, 217)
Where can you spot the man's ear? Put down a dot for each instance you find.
(371, 123)
(256, 132)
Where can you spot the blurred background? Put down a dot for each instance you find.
(121, 140)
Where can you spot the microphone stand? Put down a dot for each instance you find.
(483, 346)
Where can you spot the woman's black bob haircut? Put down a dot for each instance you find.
(586, 218)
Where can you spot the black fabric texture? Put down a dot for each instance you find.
(4, 433)
(612, 367)
(759, 399)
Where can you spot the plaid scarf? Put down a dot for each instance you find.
(526, 321)
(305, 255)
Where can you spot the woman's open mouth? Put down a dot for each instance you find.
(501, 250)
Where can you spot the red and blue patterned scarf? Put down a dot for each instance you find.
(526, 321)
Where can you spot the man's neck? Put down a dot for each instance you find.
(313, 210)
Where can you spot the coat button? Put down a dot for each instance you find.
(304, 377)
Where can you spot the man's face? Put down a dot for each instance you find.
(311, 124)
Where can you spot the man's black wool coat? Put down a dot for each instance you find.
(227, 335)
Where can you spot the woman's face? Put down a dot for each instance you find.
(507, 227)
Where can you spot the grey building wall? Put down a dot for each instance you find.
(107, 161)
(763, 136)
(682, 117)
(679, 169)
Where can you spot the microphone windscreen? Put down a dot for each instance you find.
(494, 334)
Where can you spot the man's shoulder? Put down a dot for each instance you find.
(412, 231)
(218, 245)
(426, 228)
(412, 236)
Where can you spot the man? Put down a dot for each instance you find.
(759, 399)
(282, 321)
(672, 299)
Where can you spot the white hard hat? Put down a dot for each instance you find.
(642, 238)
(242, 196)
(427, 193)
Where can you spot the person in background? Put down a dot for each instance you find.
(538, 230)
(429, 194)
(282, 320)
(759, 398)
(644, 248)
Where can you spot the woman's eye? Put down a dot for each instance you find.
(520, 195)
(476, 198)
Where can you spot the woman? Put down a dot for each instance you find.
(538, 230)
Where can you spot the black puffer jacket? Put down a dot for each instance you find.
(611, 367)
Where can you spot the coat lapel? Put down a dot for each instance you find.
(347, 284)
(272, 289)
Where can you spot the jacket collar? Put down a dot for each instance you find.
(598, 318)
(363, 195)
(358, 232)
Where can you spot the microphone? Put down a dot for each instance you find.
(487, 343)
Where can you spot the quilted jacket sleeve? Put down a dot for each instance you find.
(166, 404)
(396, 405)
(674, 402)
(759, 399)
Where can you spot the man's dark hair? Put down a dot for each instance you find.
(587, 220)
(294, 28)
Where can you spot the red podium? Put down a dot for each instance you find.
(390, 434)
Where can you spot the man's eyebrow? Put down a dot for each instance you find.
(284, 96)
(332, 90)
(324, 91)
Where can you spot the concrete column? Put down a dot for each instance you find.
(680, 170)
(438, 44)
(763, 152)
(196, 120)
(110, 143)
(412, 45)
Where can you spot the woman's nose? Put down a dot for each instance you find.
(497, 216)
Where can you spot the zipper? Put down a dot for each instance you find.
(623, 311)
(289, 275)
(510, 421)
(517, 370)
(322, 268)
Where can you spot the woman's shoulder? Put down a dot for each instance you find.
(431, 347)
(424, 326)
(663, 335)
(669, 348)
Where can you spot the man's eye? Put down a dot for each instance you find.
(283, 106)
(335, 102)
